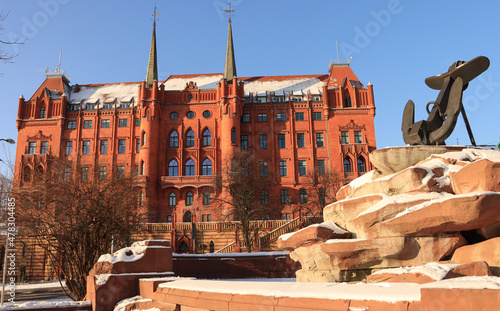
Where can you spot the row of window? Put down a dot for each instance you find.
(281, 117)
(358, 139)
(105, 123)
(190, 138)
(190, 114)
(189, 168)
(103, 149)
(84, 173)
(360, 163)
(281, 99)
(76, 107)
(172, 199)
(44, 148)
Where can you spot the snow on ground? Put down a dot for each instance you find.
(44, 305)
(122, 304)
(434, 270)
(38, 285)
(268, 287)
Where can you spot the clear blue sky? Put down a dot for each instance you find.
(393, 44)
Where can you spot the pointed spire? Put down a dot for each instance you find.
(152, 74)
(230, 68)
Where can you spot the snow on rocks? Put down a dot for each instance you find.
(408, 216)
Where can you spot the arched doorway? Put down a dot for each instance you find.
(212, 247)
(183, 248)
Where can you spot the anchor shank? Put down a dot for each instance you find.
(467, 125)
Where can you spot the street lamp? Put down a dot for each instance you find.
(10, 141)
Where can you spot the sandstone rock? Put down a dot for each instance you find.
(482, 175)
(488, 251)
(477, 268)
(388, 208)
(327, 261)
(450, 214)
(489, 232)
(312, 234)
(394, 159)
(343, 211)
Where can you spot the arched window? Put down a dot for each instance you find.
(347, 165)
(206, 198)
(189, 198)
(233, 135)
(206, 167)
(347, 101)
(189, 168)
(207, 138)
(172, 199)
(361, 165)
(174, 139)
(187, 217)
(173, 168)
(143, 138)
(141, 198)
(212, 247)
(143, 168)
(190, 139)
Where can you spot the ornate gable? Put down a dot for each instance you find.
(351, 126)
(39, 136)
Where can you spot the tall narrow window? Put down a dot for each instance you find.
(67, 174)
(32, 148)
(345, 137)
(120, 170)
(263, 169)
(303, 195)
(283, 168)
(262, 141)
(361, 165)
(206, 167)
(137, 145)
(172, 200)
(85, 173)
(43, 112)
(104, 146)
(45, 147)
(86, 147)
(190, 139)
(143, 138)
(347, 101)
(357, 137)
(69, 147)
(322, 196)
(302, 168)
(284, 196)
(102, 173)
(264, 195)
(301, 142)
(207, 138)
(173, 168)
(347, 165)
(174, 139)
(281, 141)
(189, 198)
(244, 142)
(321, 167)
(233, 135)
(143, 168)
(189, 168)
(206, 198)
(121, 145)
(319, 140)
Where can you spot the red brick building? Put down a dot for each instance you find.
(175, 134)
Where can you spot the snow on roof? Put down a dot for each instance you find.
(278, 288)
(434, 270)
(284, 84)
(203, 81)
(92, 93)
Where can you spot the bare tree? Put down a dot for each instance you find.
(321, 187)
(244, 194)
(76, 218)
(5, 56)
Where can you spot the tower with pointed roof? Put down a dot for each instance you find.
(152, 73)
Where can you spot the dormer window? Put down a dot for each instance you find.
(43, 112)
(108, 106)
(279, 99)
(347, 101)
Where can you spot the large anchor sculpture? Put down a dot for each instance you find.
(448, 105)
